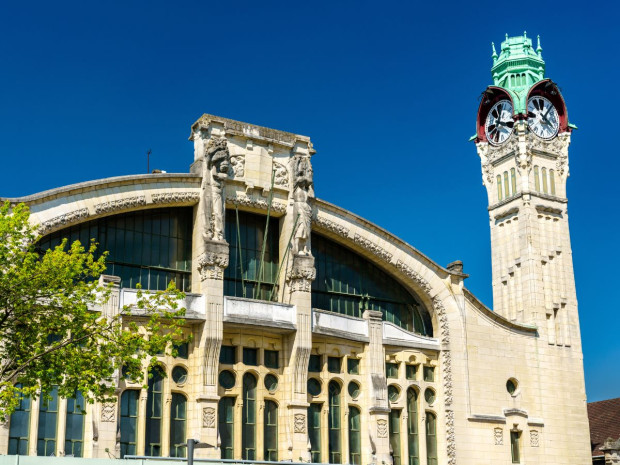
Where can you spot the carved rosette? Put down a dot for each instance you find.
(211, 265)
(301, 275)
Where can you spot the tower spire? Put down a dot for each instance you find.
(539, 48)
(494, 56)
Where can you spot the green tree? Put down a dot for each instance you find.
(52, 329)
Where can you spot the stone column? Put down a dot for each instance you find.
(378, 408)
(211, 265)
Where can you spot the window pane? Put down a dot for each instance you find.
(20, 426)
(248, 433)
(228, 355)
(412, 371)
(48, 417)
(74, 432)
(335, 437)
(355, 436)
(314, 365)
(178, 418)
(514, 446)
(412, 427)
(431, 439)
(394, 424)
(271, 359)
(429, 374)
(270, 423)
(391, 370)
(128, 422)
(334, 364)
(250, 356)
(226, 426)
(154, 413)
(353, 366)
(314, 432)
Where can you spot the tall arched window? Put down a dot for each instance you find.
(506, 185)
(499, 187)
(412, 427)
(431, 438)
(178, 420)
(552, 181)
(154, 413)
(335, 434)
(347, 283)
(226, 426)
(129, 422)
(355, 436)
(74, 431)
(248, 432)
(513, 180)
(536, 179)
(395, 436)
(544, 180)
(314, 432)
(270, 436)
(48, 419)
(20, 427)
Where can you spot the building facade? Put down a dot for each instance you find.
(317, 335)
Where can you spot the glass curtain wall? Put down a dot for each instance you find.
(20, 427)
(74, 431)
(349, 284)
(245, 239)
(178, 419)
(226, 427)
(270, 436)
(149, 247)
(129, 422)
(48, 419)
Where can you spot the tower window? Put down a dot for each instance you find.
(544, 180)
(513, 180)
(499, 188)
(506, 185)
(552, 181)
(536, 180)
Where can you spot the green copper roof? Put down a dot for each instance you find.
(517, 68)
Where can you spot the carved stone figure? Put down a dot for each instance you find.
(303, 191)
(215, 172)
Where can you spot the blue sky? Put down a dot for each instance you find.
(387, 91)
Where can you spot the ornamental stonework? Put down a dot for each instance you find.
(382, 428)
(208, 417)
(332, 226)
(237, 166)
(498, 436)
(211, 265)
(417, 277)
(62, 220)
(176, 197)
(281, 175)
(372, 247)
(108, 413)
(534, 438)
(120, 204)
(259, 204)
(300, 423)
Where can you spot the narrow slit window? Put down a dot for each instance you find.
(248, 433)
(552, 181)
(412, 427)
(314, 432)
(270, 452)
(178, 420)
(536, 180)
(20, 422)
(226, 426)
(431, 438)
(544, 179)
(395, 436)
(355, 436)
(48, 418)
(74, 431)
(154, 413)
(513, 180)
(335, 437)
(499, 188)
(506, 185)
(514, 446)
(129, 422)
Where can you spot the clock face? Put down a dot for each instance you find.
(499, 122)
(542, 117)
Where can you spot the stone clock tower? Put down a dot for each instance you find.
(522, 138)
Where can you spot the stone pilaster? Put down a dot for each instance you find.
(378, 408)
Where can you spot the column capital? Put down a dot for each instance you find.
(213, 261)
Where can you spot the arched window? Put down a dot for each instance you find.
(314, 432)
(226, 426)
(20, 427)
(48, 419)
(506, 185)
(395, 436)
(178, 420)
(412, 427)
(431, 438)
(270, 438)
(335, 435)
(129, 422)
(499, 188)
(544, 179)
(154, 413)
(552, 181)
(536, 179)
(248, 432)
(349, 284)
(355, 436)
(513, 180)
(74, 431)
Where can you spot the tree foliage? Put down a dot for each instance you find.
(53, 330)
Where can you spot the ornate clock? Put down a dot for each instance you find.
(542, 117)
(499, 123)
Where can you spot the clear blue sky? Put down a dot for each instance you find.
(386, 90)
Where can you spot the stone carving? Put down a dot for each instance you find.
(498, 435)
(248, 130)
(372, 247)
(120, 204)
(61, 220)
(332, 226)
(534, 438)
(300, 423)
(211, 265)
(303, 192)
(237, 166)
(301, 274)
(108, 413)
(382, 428)
(215, 172)
(208, 417)
(281, 174)
(450, 437)
(256, 203)
(423, 283)
(176, 197)
(199, 144)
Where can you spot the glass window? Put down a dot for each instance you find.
(228, 355)
(543, 174)
(393, 393)
(429, 374)
(347, 283)
(335, 439)
(431, 438)
(499, 188)
(355, 436)
(182, 350)
(246, 238)
(129, 422)
(354, 390)
(179, 375)
(149, 247)
(506, 185)
(552, 181)
(227, 379)
(513, 180)
(48, 417)
(536, 179)
(314, 432)
(514, 446)
(395, 436)
(314, 365)
(271, 359)
(250, 356)
(353, 366)
(178, 419)
(314, 386)
(154, 412)
(412, 427)
(270, 452)
(74, 425)
(226, 427)
(391, 370)
(20, 426)
(271, 383)
(248, 432)
(411, 371)
(334, 364)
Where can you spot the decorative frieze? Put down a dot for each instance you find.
(211, 265)
(414, 275)
(300, 423)
(258, 204)
(108, 413)
(64, 219)
(176, 197)
(120, 204)
(332, 226)
(372, 247)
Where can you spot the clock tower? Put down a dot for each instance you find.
(522, 139)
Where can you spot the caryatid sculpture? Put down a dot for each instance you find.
(303, 191)
(215, 172)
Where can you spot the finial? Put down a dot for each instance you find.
(506, 36)
(539, 48)
(525, 34)
(494, 56)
